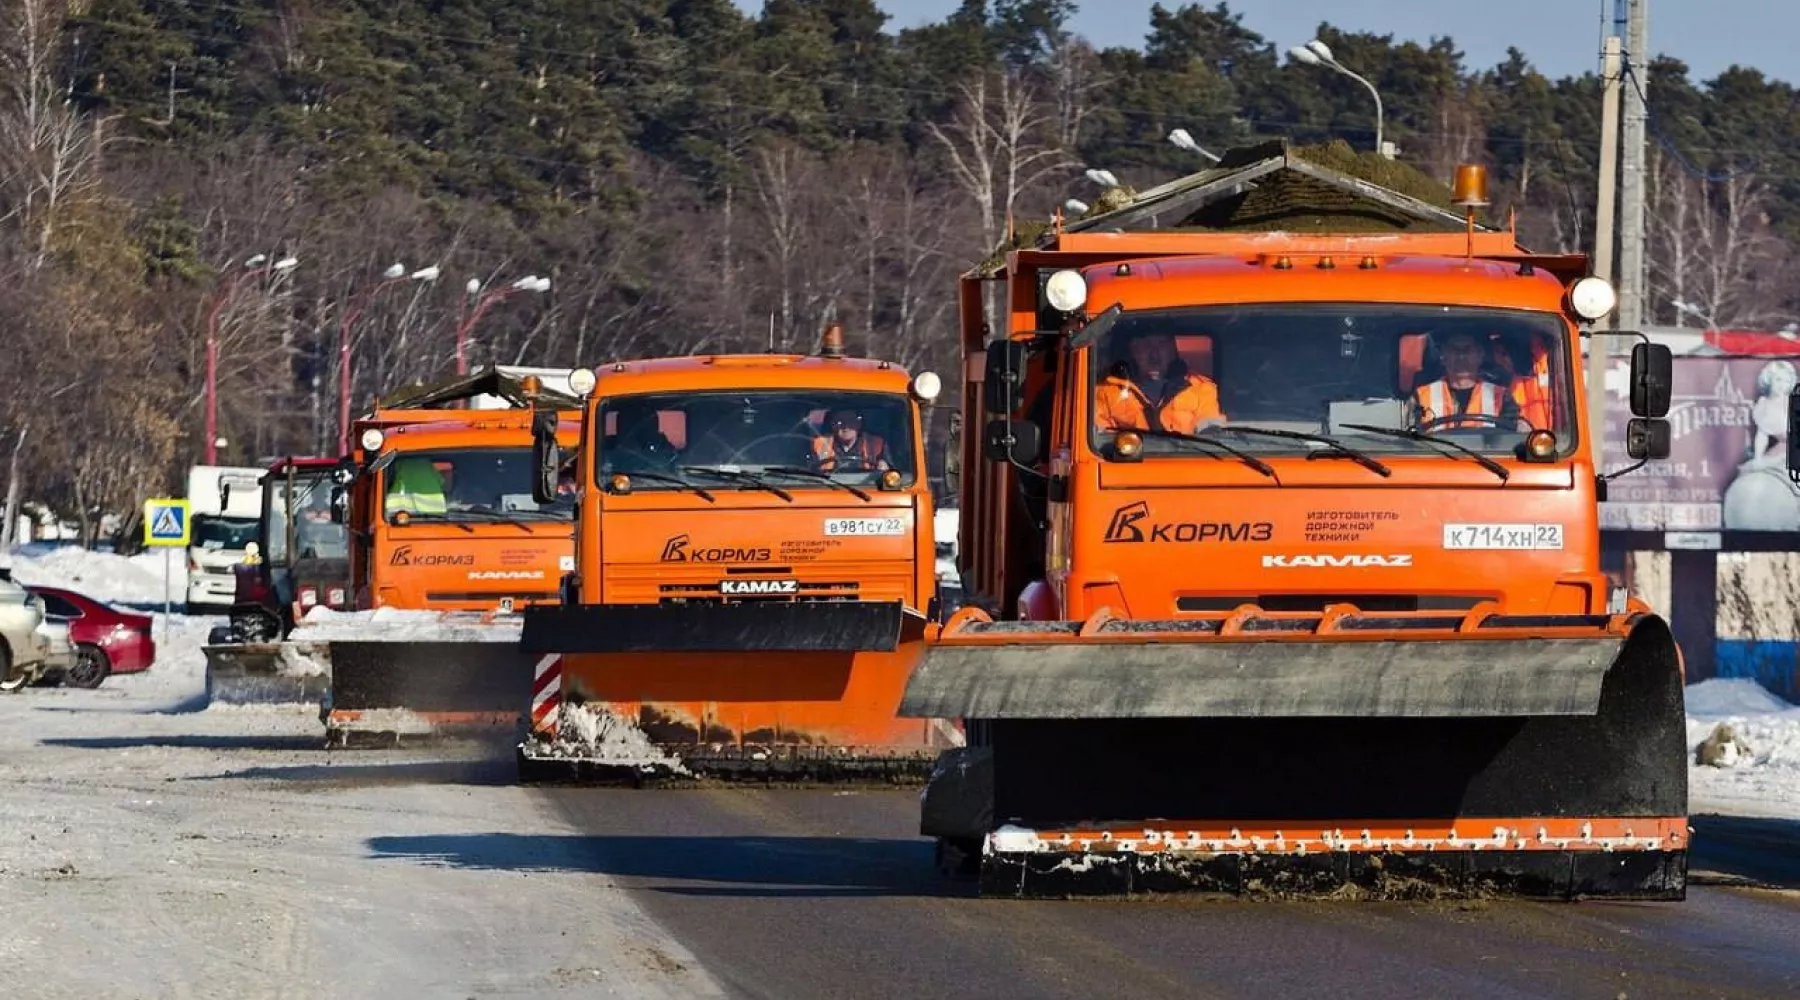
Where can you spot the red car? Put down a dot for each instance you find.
(107, 641)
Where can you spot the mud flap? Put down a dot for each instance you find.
(1561, 725)
(277, 673)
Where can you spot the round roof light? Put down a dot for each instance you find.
(1592, 297)
(372, 438)
(582, 381)
(927, 385)
(1066, 290)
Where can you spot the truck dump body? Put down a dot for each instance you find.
(750, 610)
(1283, 541)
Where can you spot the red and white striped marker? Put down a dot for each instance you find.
(546, 695)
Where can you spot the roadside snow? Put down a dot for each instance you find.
(223, 853)
(1766, 781)
(134, 580)
(396, 625)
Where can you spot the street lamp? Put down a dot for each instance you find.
(254, 268)
(529, 283)
(1103, 178)
(394, 275)
(1315, 53)
(1183, 140)
(1076, 206)
(1695, 310)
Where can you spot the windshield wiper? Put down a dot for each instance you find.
(1249, 459)
(735, 475)
(675, 480)
(1336, 447)
(1413, 434)
(489, 512)
(427, 515)
(790, 470)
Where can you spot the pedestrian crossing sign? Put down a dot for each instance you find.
(166, 522)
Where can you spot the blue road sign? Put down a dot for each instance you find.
(166, 523)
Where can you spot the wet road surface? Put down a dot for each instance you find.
(821, 893)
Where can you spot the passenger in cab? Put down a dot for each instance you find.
(845, 448)
(1151, 388)
(1531, 390)
(1462, 391)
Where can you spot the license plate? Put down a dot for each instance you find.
(865, 526)
(1507, 537)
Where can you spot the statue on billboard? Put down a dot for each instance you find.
(1762, 497)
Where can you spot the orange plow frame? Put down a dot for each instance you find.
(1395, 753)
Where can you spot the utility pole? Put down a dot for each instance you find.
(1604, 233)
(1633, 274)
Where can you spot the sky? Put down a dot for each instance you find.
(1560, 37)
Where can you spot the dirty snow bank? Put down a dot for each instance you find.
(1764, 779)
(223, 854)
(602, 735)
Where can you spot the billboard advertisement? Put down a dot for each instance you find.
(1727, 467)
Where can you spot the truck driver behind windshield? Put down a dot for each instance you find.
(1150, 388)
(845, 448)
(1462, 392)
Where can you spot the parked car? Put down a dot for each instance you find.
(106, 640)
(59, 649)
(24, 648)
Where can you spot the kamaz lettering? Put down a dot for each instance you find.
(1358, 561)
(759, 586)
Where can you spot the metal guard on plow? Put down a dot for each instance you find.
(1390, 754)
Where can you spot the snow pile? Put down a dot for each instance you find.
(1752, 742)
(104, 576)
(396, 625)
(602, 735)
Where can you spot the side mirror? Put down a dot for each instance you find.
(224, 496)
(1016, 441)
(340, 505)
(1647, 439)
(1652, 380)
(1004, 377)
(546, 455)
(953, 454)
(1793, 441)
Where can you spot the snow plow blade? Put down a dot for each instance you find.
(398, 674)
(267, 673)
(1381, 755)
(795, 692)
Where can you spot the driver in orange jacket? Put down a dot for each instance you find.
(1462, 392)
(1153, 382)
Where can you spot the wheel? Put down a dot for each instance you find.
(91, 667)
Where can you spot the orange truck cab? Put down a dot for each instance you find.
(444, 518)
(755, 567)
(1283, 543)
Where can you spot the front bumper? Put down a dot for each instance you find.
(784, 626)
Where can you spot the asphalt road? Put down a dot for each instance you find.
(820, 893)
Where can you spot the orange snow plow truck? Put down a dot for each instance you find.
(1283, 536)
(448, 545)
(754, 572)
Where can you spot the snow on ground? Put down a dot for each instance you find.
(127, 580)
(1767, 781)
(225, 853)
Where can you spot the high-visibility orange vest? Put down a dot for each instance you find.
(1436, 402)
(1532, 392)
(869, 449)
(1119, 403)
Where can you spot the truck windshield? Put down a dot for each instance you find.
(470, 483)
(1480, 378)
(211, 532)
(799, 438)
(315, 534)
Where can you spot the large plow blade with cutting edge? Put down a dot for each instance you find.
(803, 692)
(1302, 753)
(397, 674)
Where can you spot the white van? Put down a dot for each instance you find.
(225, 504)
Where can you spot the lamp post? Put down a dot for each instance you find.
(1695, 310)
(256, 268)
(394, 275)
(1315, 53)
(529, 283)
(1183, 140)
